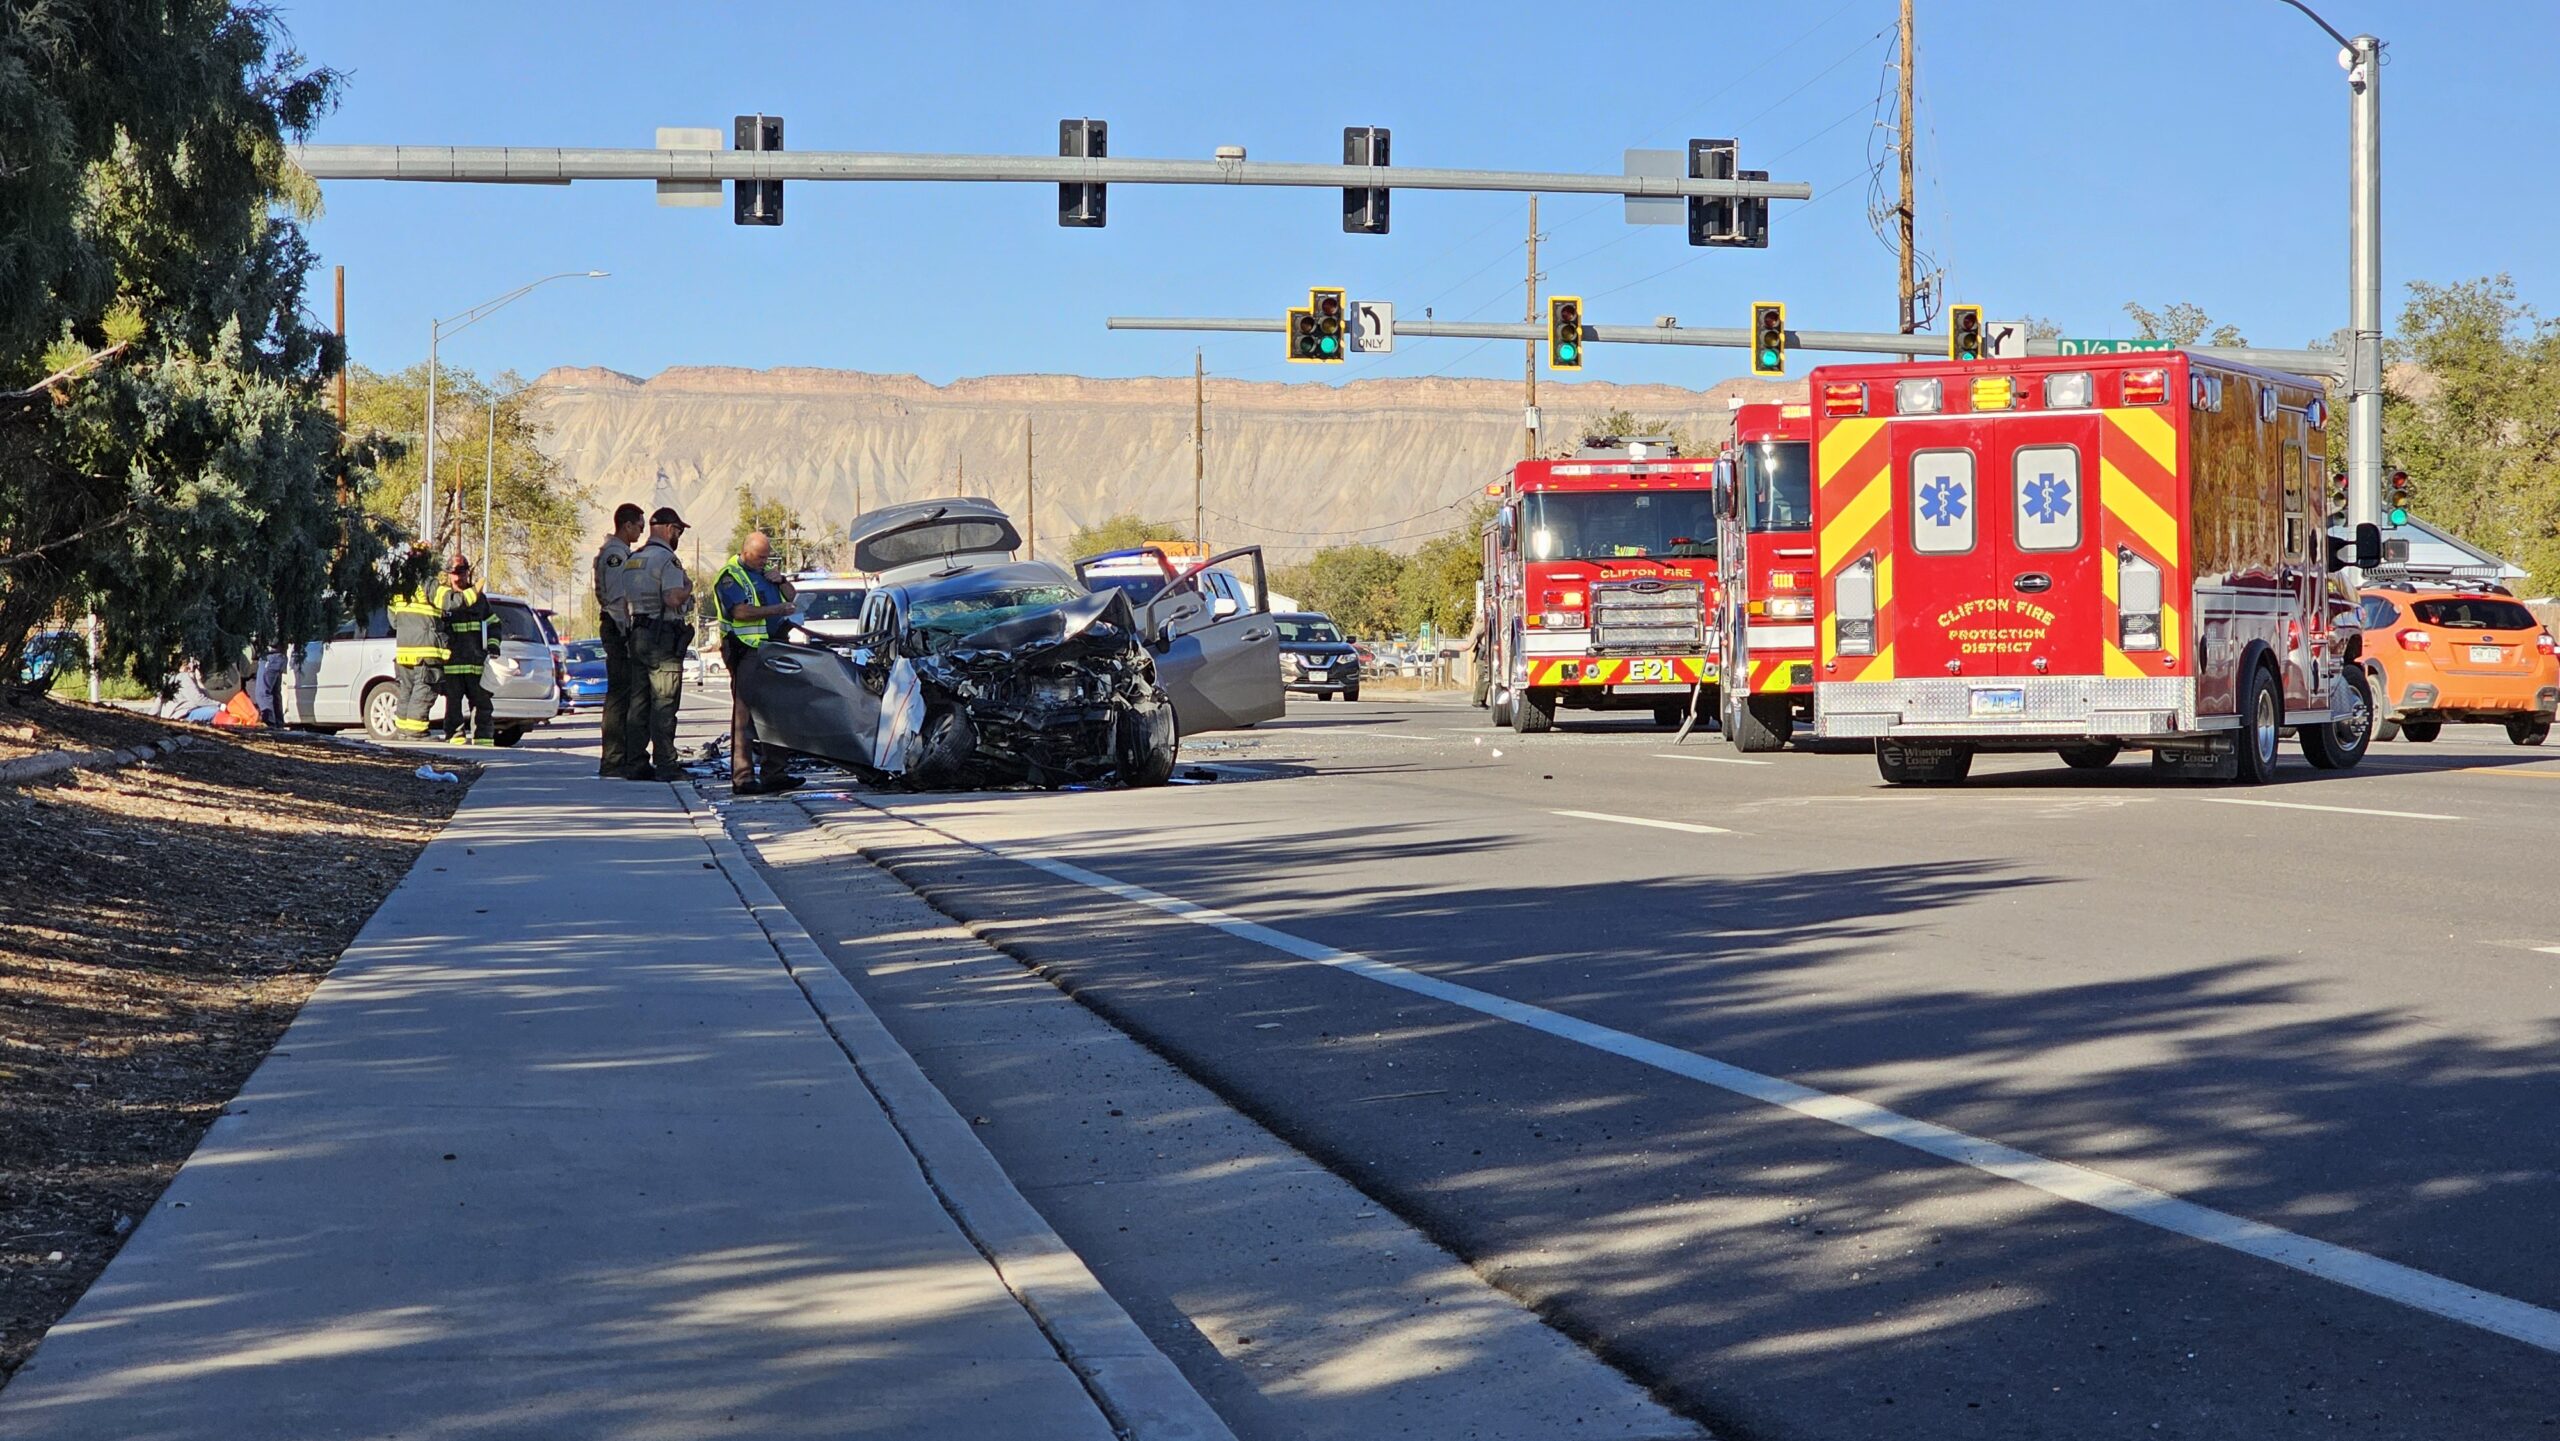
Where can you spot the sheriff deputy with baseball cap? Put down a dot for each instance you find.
(661, 600)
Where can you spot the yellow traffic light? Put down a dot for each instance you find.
(1332, 311)
(1964, 332)
(1564, 332)
(1768, 338)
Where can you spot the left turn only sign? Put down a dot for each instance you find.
(1373, 327)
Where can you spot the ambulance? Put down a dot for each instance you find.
(2081, 555)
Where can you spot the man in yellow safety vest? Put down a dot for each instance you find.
(750, 598)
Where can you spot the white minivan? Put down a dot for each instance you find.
(349, 680)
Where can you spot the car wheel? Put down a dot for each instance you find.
(947, 743)
(509, 735)
(2339, 744)
(2261, 735)
(2091, 757)
(2421, 731)
(2525, 731)
(1150, 742)
(1351, 692)
(1532, 712)
(381, 711)
(1903, 765)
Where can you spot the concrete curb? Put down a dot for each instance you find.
(28, 768)
(1138, 1388)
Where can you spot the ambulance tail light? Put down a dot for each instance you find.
(2414, 640)
(2137, 602)
(2146, 387)
(1918, 397)
(1853, 607)
(1994, 392)
(1844, 397)
(1790, 607)
(2073, 390)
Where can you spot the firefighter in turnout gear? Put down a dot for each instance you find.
(418, 642)
(471, 629)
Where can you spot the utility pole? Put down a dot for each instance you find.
(1030, 501)
(1199, 449)
(342, 363)
(1902, 143)
(1529, 352)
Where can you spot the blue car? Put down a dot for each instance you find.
(582, 681)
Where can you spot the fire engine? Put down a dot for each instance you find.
(1599, 578)
(2080, 555)
(1765, 573)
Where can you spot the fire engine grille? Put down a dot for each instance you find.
(1649, 615)
(2049, 705)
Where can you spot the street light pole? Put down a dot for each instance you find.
(437, 330)
(2361, 58)
(2364, 366)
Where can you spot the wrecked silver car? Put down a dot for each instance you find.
(970, 668)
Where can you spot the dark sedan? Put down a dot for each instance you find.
(1314, 658)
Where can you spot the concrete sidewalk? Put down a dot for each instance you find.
(559, 1150)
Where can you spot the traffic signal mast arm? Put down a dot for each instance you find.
(553, 165)
(1845, 342)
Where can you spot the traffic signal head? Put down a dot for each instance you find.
(1564, 332)
(2399, 497)
(1332, 310)
(1768, 338)
(1302, 333)
(1964, 332)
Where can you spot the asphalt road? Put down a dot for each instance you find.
(2063, 1104)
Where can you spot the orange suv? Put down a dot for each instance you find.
(2444, 653)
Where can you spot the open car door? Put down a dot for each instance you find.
(809, 699)
(1217, 655)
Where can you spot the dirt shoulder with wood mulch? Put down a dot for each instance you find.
(160, 925)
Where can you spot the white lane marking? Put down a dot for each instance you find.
(1689, 826)
(2333, 810)
(2420, 1290)
(1720, 760)
(2549, 950)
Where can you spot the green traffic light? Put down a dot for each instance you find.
(1768, 357)
(1568, 351)
(1328, 345)
(2399, 515)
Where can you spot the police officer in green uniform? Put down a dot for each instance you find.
(613, 634)
(471, 630)
(750, 599)
(418, 642)
(661, 599)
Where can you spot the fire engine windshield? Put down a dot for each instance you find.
(1778, 485)
(1593, 525)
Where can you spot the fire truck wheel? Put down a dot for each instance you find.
(2339, 744)
(2261, 735)
(1499, 707)
(1668, 717)
(1938, 766)
(1764, 723)
(2421, 730)
(1532, 711)
(2091, 757)
(2528, 731)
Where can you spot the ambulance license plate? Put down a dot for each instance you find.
(2487, 654)
(2007, 700)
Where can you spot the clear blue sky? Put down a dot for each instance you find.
(2074, 156)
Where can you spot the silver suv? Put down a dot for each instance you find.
(349, 680)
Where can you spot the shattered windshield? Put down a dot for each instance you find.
(937, 623)
(1596, 524)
